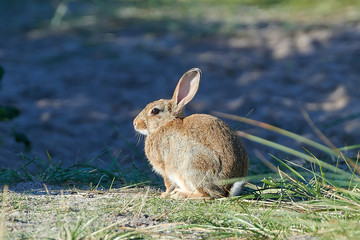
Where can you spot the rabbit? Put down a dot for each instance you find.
(196, 155)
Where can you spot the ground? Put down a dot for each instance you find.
(112, 207)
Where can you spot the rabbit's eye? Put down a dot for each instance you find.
(155, 111)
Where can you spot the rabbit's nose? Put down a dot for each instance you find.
(138, 124)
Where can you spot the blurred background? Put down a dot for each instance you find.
(80, 71)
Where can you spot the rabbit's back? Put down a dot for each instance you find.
(222, 140)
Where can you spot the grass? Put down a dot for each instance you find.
(201, 18)
(287, 202)
(51, 172)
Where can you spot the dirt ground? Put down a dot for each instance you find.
(112, 207)
(73, 85)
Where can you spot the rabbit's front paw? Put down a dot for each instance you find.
(164, 194)
(177, 195)
(184, 194)
(168, 192)
(180, 194)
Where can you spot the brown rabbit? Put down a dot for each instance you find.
(195, 155)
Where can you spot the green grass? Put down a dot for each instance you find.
(202, 18)
(51, 172)
(319, 199)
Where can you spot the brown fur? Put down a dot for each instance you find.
(193, 154)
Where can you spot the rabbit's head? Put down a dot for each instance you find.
(159, 113)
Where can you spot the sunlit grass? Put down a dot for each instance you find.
(306, 11)
(208, 17)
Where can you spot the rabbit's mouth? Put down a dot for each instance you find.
(143, 131)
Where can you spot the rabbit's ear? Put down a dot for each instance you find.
(186, 89)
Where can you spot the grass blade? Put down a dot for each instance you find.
(290, 151)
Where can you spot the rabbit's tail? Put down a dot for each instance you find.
(237, 188)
